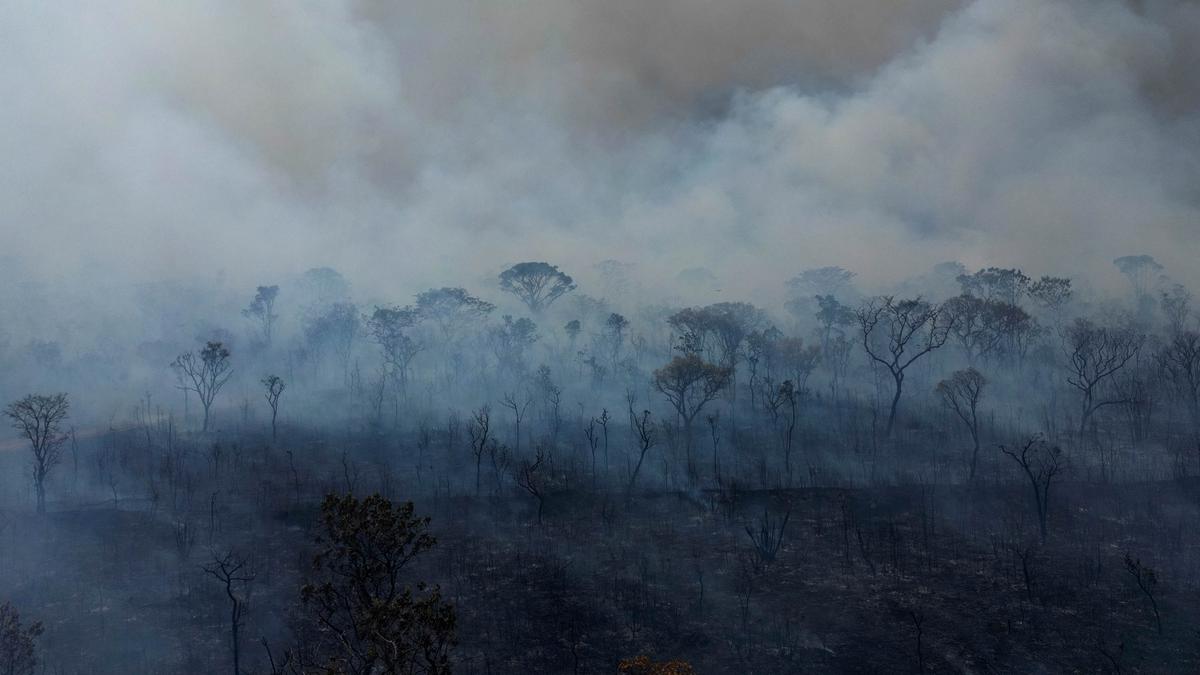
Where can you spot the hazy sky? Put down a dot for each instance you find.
(435, 141)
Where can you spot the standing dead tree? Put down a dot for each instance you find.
(275, 386)
(1147, 582)
(1040, 463)
(961, 392)
(1094, 354)
(895, 333)
(231, 571)
(204, 373)
(39, 418)
(643, 426)
(519, 408)
(479, 430)
(530, 480)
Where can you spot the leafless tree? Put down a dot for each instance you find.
(479, 430)
(1147, 583)
(530, 479)
(39, 419)
(960, 393)
(1179, 360)
(644, 428)
(275, 386)
(895, 333)
(231, 572)
(1041, 464)
(204, 373)
(1094, 354)
(519, 408)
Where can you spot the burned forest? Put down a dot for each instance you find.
(600, 337)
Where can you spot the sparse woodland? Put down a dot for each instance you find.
(975, 471)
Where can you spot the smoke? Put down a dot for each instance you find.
(412, 143)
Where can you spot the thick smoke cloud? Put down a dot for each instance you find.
(422, 143)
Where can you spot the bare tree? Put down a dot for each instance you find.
(1179, 360)
(644, 428)
(960, 393)
(479, 430)
(1041, 464)
(204, 373)
(895, 333)
(530, 479)
(1147, 582)
(39, 418)
(275, 386)
(231, 571)
(519, 408)
(1094, 354)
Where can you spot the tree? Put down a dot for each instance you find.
(1147, 581)
(643, 426)
(895, 333)
(1052, 294)
(960, 393)
(1179, 360)
(537, 284)
(717, 331)
(479, 431)
(371, 620)
(262, 310)
(275, 386)
(231, 571)
(689, 383)
(450, 308)
(530, 480)
(1176, 305)
(39, 419)
(821, 281)
(509, 340)
(1041, 464)
(391, 329)
(1094, 354)
(1141, 271)
(614, 335)
(994, 283)
(204, 373)
(18, 647)
(833, 317)
(336, 327)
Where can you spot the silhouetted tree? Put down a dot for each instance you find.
(275, 386)
(1094, 354)
(231, 572)
(537, 284)
(204, 373)
(451, 308)
(391, 329)
(895, 333)
(262, 311)
(1041, 464)
(961, 392)
(39, 419)
(689, 383)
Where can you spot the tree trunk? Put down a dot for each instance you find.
(895, 404)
